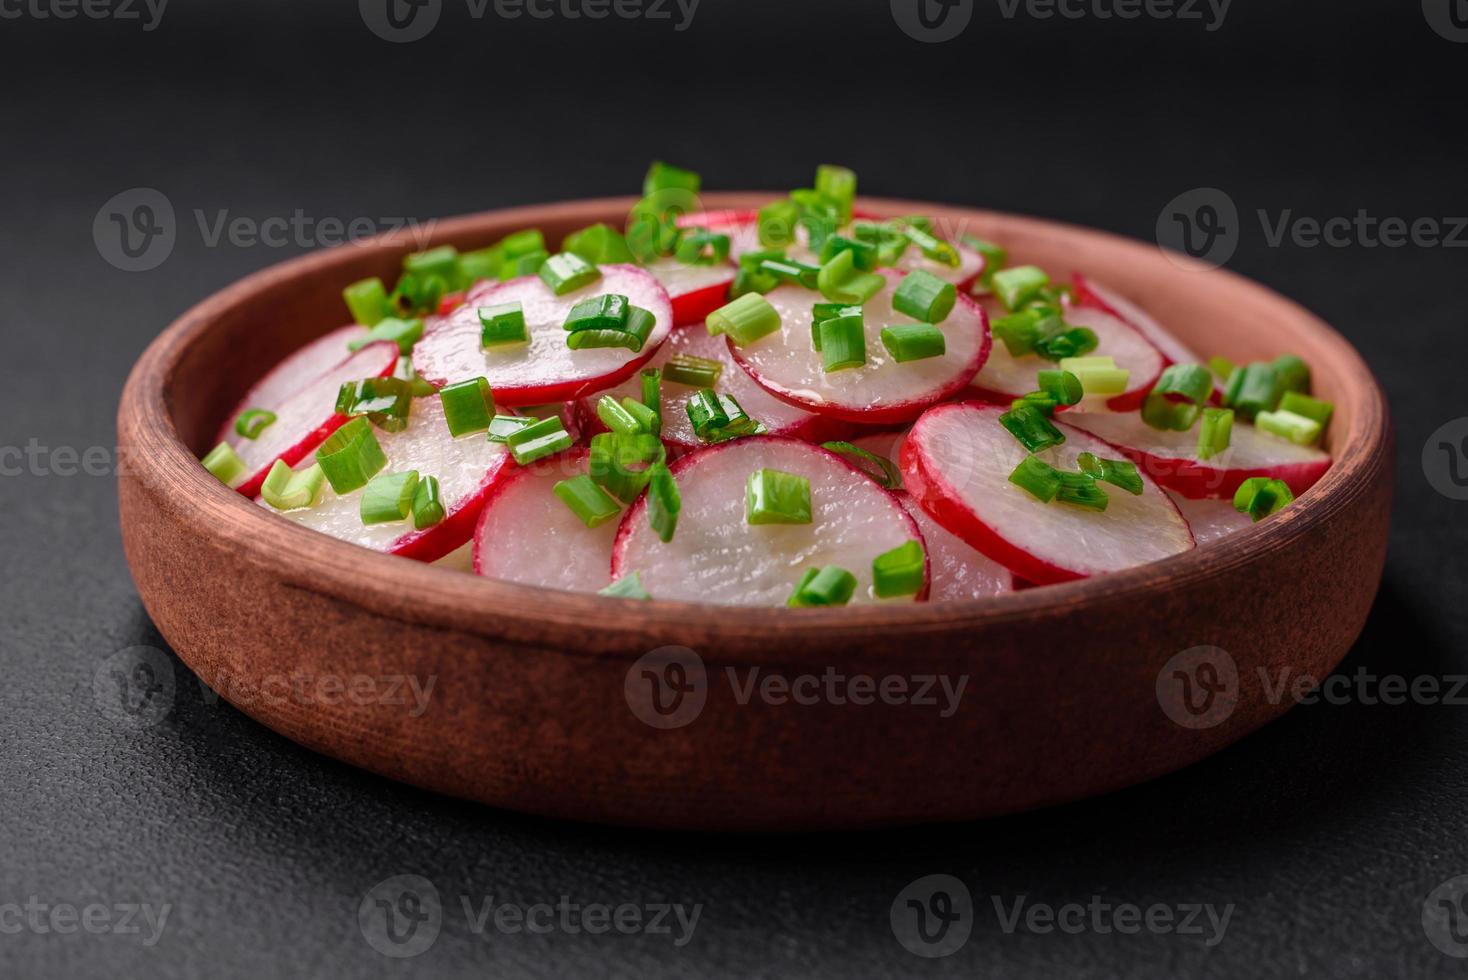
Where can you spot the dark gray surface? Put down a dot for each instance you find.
(1325, 831)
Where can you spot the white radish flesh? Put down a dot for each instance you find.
(1210, 519)
(955, 569)
(294, 373)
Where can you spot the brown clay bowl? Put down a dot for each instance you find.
(532, 705)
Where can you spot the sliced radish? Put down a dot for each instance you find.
(694, 290)
(1171, 458)
(304, 420)
(888, 444)
(526, 534)
(288, 377)
(717, 556)
(956, 463)
(882, 391)
(467, 469)
(780, 418)
(1090, 293)
(1210, 519)
(1005, 377)
(545, 369)
(957, 571)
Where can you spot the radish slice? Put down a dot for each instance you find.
(467, 469)
(1210, 519)
(780, 418)
(545, 369)
(1005, 377)
(1171, 458)
(303, 421)
(957, 571)
(294, 373)
(956, 463)
(717, 556)
(888, 444)
(694, 290)
(527, 535)
(882, 391)
(1092, 294)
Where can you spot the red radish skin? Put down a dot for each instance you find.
(956, 569)
(294, 373)
(1093, 294)
(305, 420)
(880, 392)
(526, 534)
(694, 290)
(956, 463)
(467, 468)
(1210, 519)
(1171, 459)
(545, 369)
(716, 556)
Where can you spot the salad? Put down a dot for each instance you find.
(803, 405)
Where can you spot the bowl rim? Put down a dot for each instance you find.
(421, 593)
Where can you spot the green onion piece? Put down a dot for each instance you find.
(521, 243)
(224, 463)
(819, 214)
(837, 184)
(442, 262)
(843, 343)
(900, 571)
(925, 297)
(502, 324)
(662, 176)
(827, 311)
(1063, 386)
(620, 463)
(567, 271)
(538, 440)
(1097, 375)
(748, 281)
(840, 281)
(404, 333)
(484, 263)
(606, 312)
(387, 402)
(1018, 331)
(789, 270)
(1030, 426)
(501, 427)
(773, 497)
(913, 341)
(615, 417)
(652, 224)
(746, 320)
(864, 254)
(886, 237)
(1311, 408)
(633, 335)
(699, 246)
(467, 406)
(428, 508)
(1080, 489)
(1117, 472)
(254, 421)
(1299, 429)
(1260, 496)
(389, 498)
(285, 489)
(829, 586)
(994, 257)
(589, 502)
(1252, 388)
(663, 501)
(599, 244)
(367, 300)
(1190, 382)
(523, 265)
(1293, 373)
(1220, 368)
(417, 294)
(648, 419)
(1037, 478)
(629, 586)
(932, 247)
(1216, 431)
(1017, 286)
(719, 418)
(1177, 399)
(1067, 342)
(777, 224)
(696, 372)
(419, 387)
(652, 395)
(351, 456)
(879, 468)
(1042, 401)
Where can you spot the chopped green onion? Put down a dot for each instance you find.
(1097, 375)
(224, 463)
(663, 501)
(417, 294)
(789, 270)
(538, 440)
(254, 421)
(629, 586)
(1117, 472)
(1299, 429)
(1216, 431)
(367, 300)
(1220, 368)
(565, 272)
(484, 263)
(620, 463)
(442, 262)
(351, 456)
(1260, 496)
(285, 489)
(389, 498)
(615, 417)
(1190, 382)
(1017, 286)
(841, 282)
(652, 395)
(1037, 478)
(523, 265)
(404, 333)
(879, 468)
(1066, 342)
(467, 406)
(888, 240)
(837, 184)
(864, 254)
(828, 311)
(606, 312)
(819, 214)
(900, 571)
(1041, 400)
(700, 246)
(528, 241)
(502, 324)
(1252, 388)
(1063, 386)
(633, 335)
(1311, 408)
(599, 244)
(589, 502)
(925, 297)
(842, 343)
(746, 319)
(662, 176)
(648, 419)
(773, 497)
(419, 387)
(501, 427)
(428, 508)
(1030, 426)
(719, 418)
(777, 222)
(1177, 398)
(1018, 331)
(1293, 374)
(829, 586)
(387, 402)
(913, 341)
(994, 257)
(652, 223)
(696, 372)
(1080, 489)
(932, 247)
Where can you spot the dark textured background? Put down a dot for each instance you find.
(1326, 830)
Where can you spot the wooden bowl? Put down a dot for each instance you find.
(536, 695)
